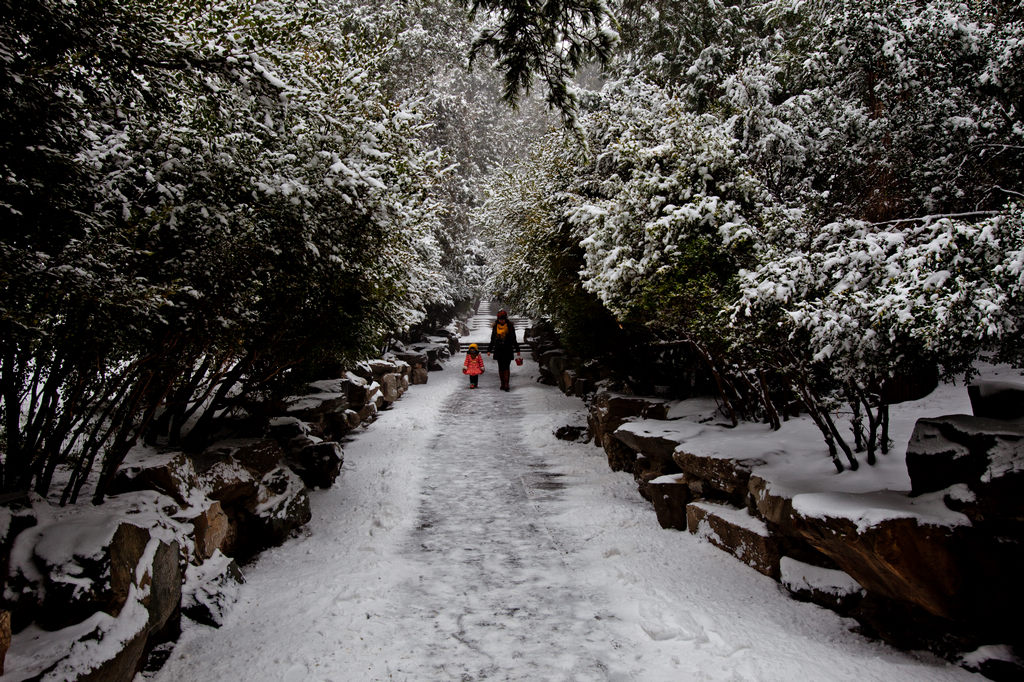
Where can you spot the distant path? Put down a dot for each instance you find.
(464, 542)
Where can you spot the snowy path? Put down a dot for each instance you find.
(463, 542)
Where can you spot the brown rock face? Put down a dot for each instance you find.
(381, 368)
(5, 637)
(211, 531)
(123, 666)
(163, 578)
(620, 456)
(899, 559)
(125, 551)
(773, 507)
(391, 387)
(653, 446)
(733, 530)
(722, 478)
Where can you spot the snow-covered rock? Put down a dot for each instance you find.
(826, 587)
(997, 399)
(109, 587)
(171, 473)
(670, 495)
(210, 589)
(905, 556)
(735, 531)
(317, 464)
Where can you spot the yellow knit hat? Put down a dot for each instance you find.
(473, 346)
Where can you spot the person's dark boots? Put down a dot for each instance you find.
(505, 376)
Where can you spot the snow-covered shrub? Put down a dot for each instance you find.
(666, 209)
(860, 303)
(240, 197)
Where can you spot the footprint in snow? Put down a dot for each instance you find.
(662, 625)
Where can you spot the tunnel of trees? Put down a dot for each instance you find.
(206, 202)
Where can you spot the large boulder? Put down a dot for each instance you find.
(551, 363)
(771, 504)
(223, 478)
(902, 557)
(326, 397)
(412, 358)
(106, 649)
(380, 368)
(609, 411)
(620, 456)
(110, 587)
(997, 399)
(280, 507)
(318, 464)
(391, 387)
(170, 473)
(434, 358)
(774, 504)
(735, 531)
(985, 455)
(655, 443)
(257, 455)
(285, 429)
(91, 565)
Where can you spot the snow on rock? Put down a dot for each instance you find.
(737, 532)
(101, 647)
(210, 589)
(977, 451)
(915, 557)
(171, 473)
(826, 587)
(669, 495)
(102, 581)
(997, 399)
(995, 661)
(868, 510)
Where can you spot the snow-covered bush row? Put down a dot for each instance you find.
(817, 198)
(197, 198)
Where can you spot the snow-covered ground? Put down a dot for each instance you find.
(464, 542)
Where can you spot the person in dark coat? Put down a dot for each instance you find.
(503, 344)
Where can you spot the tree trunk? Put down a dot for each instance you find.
(815, 412)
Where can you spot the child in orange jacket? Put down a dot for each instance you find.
(474, 365)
